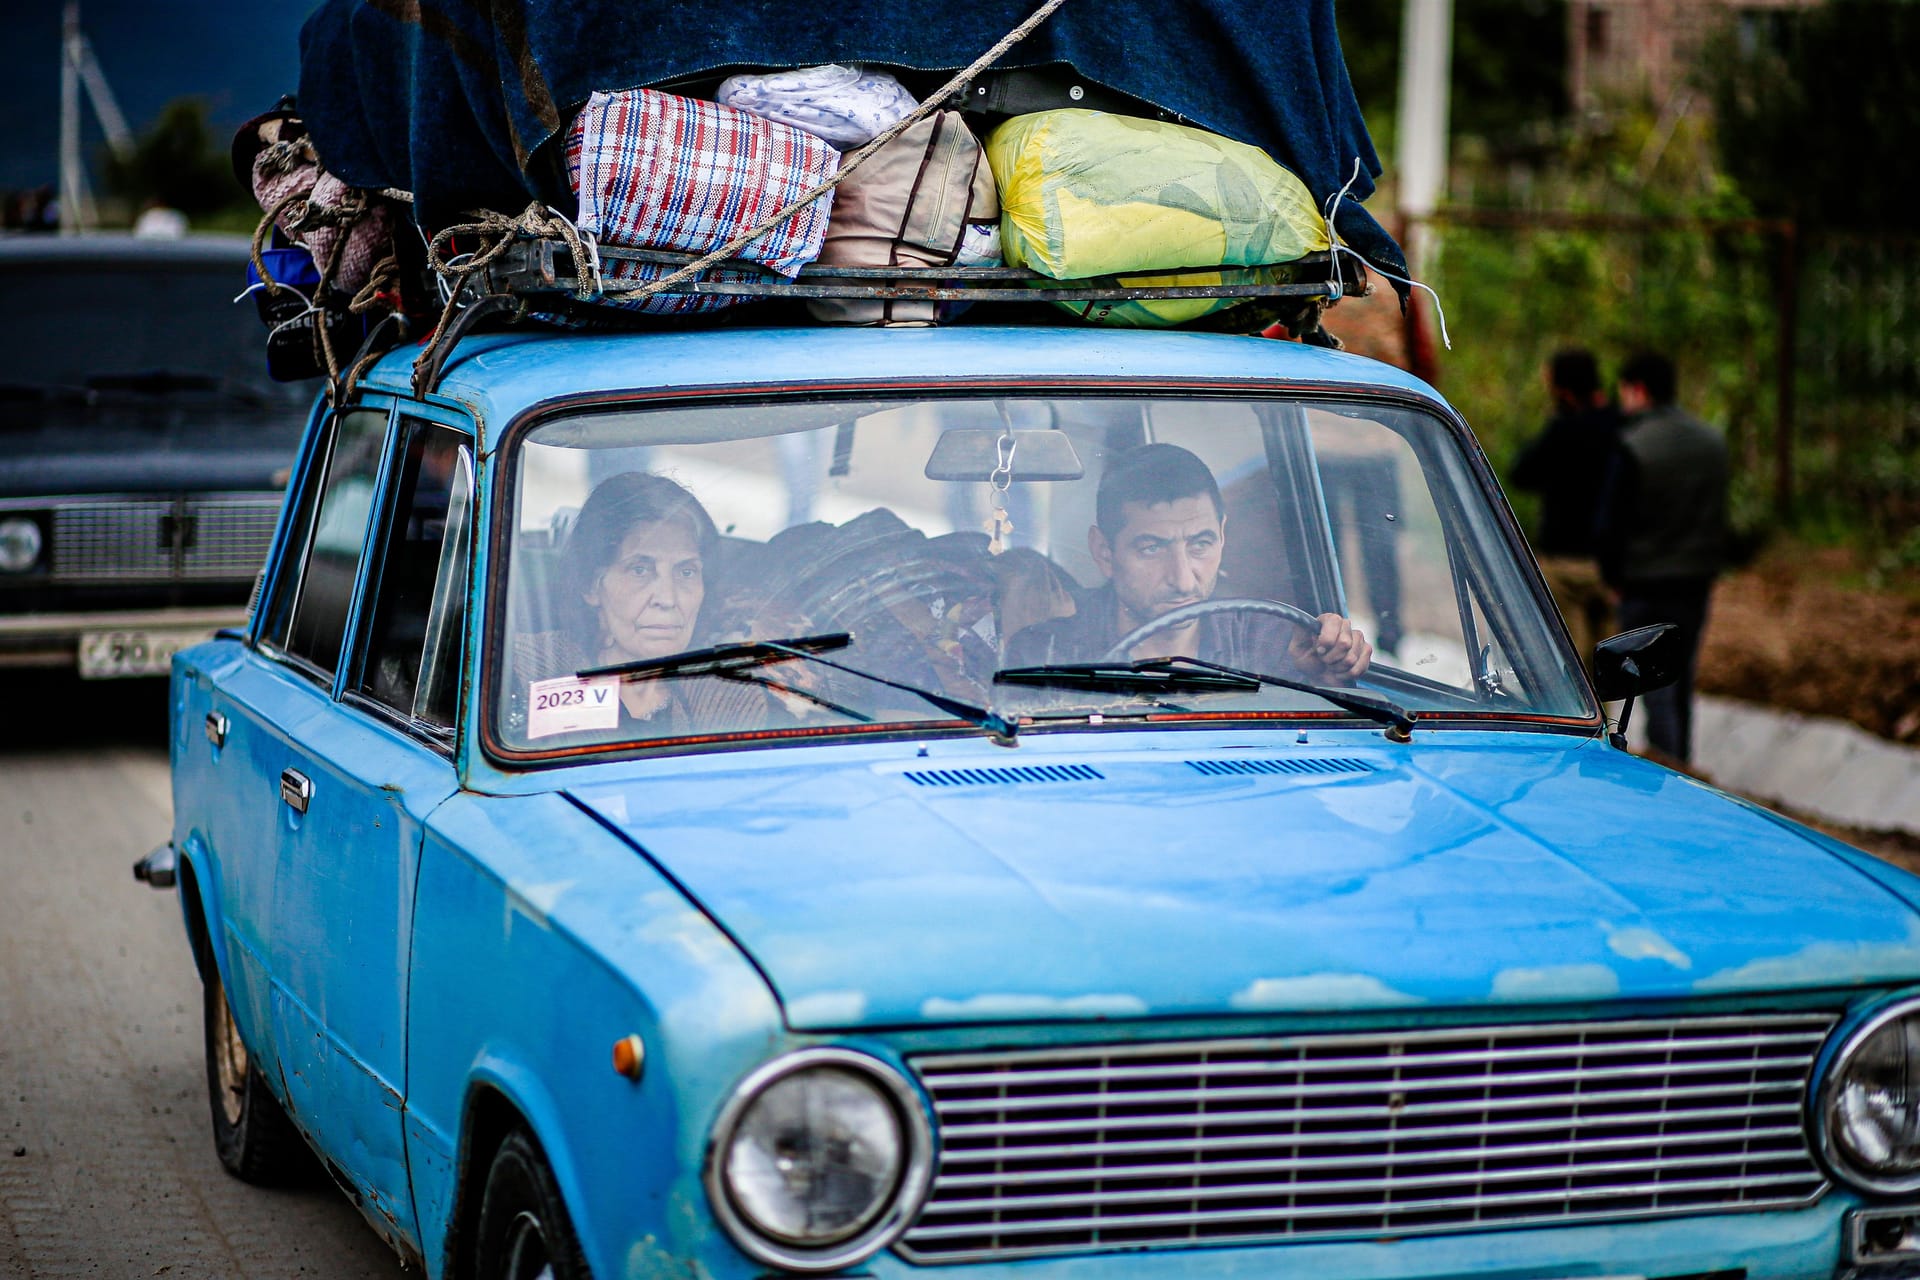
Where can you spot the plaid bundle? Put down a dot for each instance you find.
(368, 240)
(655, 171)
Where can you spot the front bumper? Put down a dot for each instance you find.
(1765, 1245)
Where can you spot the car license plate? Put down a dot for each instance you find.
(107, 654)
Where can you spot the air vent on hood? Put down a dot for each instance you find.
(1001, 775)
(1324, 764)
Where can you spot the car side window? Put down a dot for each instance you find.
(307, 616)
(1389, 536)
(418, 596)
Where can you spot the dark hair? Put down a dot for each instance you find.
(1149, 475)
(1653, 371)
(618, 505)
(1575, 371)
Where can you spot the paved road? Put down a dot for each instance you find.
(106, 1164)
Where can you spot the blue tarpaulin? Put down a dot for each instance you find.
(460, 101)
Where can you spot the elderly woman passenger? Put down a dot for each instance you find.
(633, 584)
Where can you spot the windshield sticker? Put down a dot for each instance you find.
(567, 703)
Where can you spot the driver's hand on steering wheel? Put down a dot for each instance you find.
(1335, 652)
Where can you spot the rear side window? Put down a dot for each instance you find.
(418, 595)
(308, 618)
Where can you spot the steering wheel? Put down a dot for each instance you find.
(1123, 647)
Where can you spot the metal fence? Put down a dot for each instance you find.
(1805, 347)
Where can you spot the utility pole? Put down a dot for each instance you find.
(1426, 57)
(80, 69)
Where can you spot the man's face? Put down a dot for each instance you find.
(1163, 556)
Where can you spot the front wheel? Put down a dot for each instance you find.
(525, 1233)
(255, 1140)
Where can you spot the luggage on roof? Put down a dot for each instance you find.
(673, 204)
(469, 111)
(1085, 193)
(659, 171)
(915, 203)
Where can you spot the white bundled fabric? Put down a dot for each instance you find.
(845, 105)
(979, 246)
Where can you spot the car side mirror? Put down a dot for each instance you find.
(1636, 662)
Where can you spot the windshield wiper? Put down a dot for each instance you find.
(729, 661)
(1196, 675)
(1149, 675)
(715, 659)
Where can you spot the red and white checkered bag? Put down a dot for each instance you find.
(656, 171)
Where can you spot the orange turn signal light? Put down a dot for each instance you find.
(629, 1057)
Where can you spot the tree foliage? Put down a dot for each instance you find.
(176, 162)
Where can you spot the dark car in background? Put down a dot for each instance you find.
(143, 449)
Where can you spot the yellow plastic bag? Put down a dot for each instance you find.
(1085, 193)
(1158, 313)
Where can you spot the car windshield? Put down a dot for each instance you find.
(1005, 560)
(147, 331)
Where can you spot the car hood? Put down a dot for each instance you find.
(1168, 882)
(171, 443)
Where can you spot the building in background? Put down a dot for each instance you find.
(1620, 49)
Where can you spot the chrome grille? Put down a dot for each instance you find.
(108, 540)
(1241, 1141)
(231, 536)
(213, 538)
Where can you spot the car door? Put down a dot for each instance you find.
(230, 766)
(359, 784)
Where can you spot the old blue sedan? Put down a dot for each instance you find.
(1031, 802)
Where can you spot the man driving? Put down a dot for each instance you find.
(1160, 529)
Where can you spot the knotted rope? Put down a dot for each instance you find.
(496, 233)
(303, 215)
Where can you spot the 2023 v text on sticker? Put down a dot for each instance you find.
(568, 703)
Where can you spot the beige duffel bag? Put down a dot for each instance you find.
(911, 204)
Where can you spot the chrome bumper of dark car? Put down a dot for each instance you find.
(1177, 1144)
(52, 639)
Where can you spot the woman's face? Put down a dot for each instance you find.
(650, 595)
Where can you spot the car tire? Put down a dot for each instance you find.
(255, 1140)
(524, 1228)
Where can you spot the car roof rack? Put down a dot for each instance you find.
(535, 275)
(540, 269)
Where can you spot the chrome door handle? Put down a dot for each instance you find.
(216, 729)
(296, 789)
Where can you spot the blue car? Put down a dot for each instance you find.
(996, 802)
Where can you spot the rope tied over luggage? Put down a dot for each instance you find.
(496, 233)
(302, 215)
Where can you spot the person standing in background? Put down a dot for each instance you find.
(1662, 529)
(1566, 464)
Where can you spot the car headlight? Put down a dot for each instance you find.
(819, 1159)
(1870, 1102)
(20, 544)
